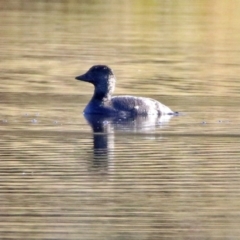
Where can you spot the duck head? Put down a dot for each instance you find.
(103, 79)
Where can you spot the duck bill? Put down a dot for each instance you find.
(84, 78)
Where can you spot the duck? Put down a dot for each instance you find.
(103, 103)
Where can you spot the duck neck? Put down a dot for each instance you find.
(104, 91)
(101, 95)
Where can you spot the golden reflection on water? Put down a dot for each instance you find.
(144, 186)
(62, 178)
(185, 49)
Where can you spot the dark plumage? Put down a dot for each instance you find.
(102, 102)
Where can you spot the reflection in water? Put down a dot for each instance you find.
(103, 133)
(103, 124)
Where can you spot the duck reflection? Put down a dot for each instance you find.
(104, 129)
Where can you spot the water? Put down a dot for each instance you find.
(64, 176)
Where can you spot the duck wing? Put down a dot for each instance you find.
(139, 105)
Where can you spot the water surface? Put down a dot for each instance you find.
(64, 176)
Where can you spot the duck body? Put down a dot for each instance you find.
(103, 103)
(127, 105)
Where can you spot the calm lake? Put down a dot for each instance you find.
(67, 176)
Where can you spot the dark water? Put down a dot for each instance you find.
(64, 176)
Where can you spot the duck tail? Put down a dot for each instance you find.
(174, 113)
